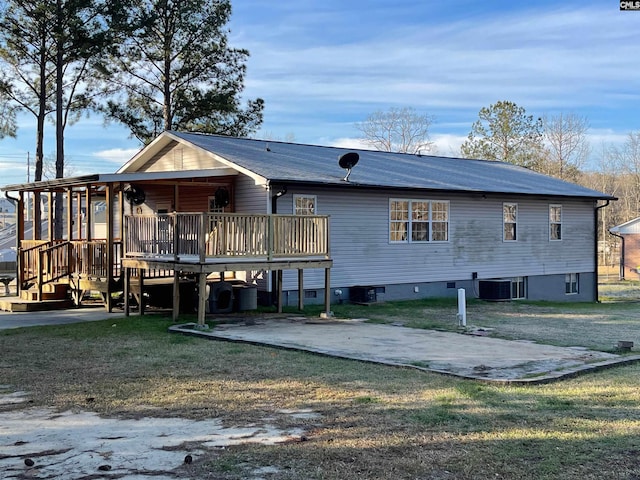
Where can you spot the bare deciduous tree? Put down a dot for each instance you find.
(398, 130)
(566, 145)
(627, 158)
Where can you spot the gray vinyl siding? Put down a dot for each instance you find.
(249, 197)
(363, 255)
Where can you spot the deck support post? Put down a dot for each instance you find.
(327, 294)
(141, 298)
(176, 296)
(202, 298)
(110, 247)
(300, 289)
(279, 291)
(127, 290)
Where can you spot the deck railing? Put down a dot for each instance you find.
(224, 235)
(200, 235)
(89, 259)
(42, 261)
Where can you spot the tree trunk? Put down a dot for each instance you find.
(42, 106)
(59, 201)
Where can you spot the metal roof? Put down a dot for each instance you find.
(630, 227)
(290, 162)
(281, 162)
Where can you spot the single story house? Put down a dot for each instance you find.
(378, 225)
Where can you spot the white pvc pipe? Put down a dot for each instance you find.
(462, 308)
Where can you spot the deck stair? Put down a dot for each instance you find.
(55, 296)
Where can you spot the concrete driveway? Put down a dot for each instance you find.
(465, 355)
(54, 317)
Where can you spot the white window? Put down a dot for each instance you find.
(214, 207)
(510, 221)
(304, 204)
(418, 221)
(555, 222)
(572, 283)
(440, 221)
(519, 287)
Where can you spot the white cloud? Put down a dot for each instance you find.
(599, 137)
(547, 58)
(448, 145)
(355, 143)
(118, 156)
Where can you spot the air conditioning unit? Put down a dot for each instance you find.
(365, 294)
(495, 290)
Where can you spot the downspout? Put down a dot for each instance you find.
(621, 237)
(595, 249)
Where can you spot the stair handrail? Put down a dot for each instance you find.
(28, 271)
(57, 266)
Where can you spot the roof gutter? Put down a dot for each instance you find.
(595, 247)
(354, 184)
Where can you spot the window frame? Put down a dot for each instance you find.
(519, 285)
(571, 283)
(312, 198)
(402, 220)
(505, 223)
(211, 200)
(553, 222)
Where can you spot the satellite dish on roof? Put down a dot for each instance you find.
(348, 161)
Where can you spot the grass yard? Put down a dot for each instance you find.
(373, 422)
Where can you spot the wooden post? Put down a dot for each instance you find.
(270, 240)
(202, 297)
(141, 296)
(176, 233)
(89, 214)
(127, 290)
(279, 282)
(110, 256)
(300, 289)
(69, 214)
(40, 277)
(121, 214)
(79, 216)
(327, 294)
(19, 238)
(176, 296)
(202, 238)
(37, 217)
(50, 219)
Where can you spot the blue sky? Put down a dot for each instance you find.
(322, 66)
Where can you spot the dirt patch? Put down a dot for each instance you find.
(44, 443)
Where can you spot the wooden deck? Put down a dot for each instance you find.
(169, 245)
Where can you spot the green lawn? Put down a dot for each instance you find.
(375, 422)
